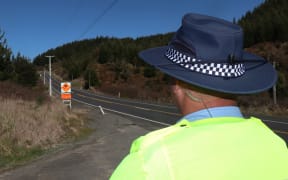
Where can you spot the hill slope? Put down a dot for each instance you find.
(267, 22)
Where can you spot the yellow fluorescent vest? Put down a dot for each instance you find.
(211, 149)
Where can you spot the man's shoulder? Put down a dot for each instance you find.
(152, 138)
(155, 137)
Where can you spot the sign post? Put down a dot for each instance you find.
(66, 93)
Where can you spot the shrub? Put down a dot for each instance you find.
(149, 72)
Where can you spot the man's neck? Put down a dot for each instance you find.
(192, 106)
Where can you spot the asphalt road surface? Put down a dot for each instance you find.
(159, 114)
(162, 114)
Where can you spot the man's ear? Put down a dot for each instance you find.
(178, 90)
(176, 87)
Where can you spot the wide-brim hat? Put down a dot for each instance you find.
(208, 52)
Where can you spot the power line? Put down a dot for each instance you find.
(98, 18)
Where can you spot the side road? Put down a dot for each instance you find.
(93, 158)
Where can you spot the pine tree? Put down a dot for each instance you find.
(5, 55)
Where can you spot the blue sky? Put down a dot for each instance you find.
(33, 26)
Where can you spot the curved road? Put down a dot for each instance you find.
(155, 113)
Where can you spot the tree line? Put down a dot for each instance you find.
(267, 22)
(17, 68)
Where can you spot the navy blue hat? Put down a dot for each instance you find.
(208, 52)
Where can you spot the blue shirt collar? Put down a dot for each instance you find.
(225, 111)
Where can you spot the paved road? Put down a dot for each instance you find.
(163, 114)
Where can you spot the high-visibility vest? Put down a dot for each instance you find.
(226, 148)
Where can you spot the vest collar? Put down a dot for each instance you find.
(225, 111)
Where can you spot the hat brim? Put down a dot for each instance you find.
(257, 77)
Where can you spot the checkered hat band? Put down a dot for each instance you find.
(213, 69)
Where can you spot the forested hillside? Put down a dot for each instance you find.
(111, 65)
(76, 57)
(268, 22)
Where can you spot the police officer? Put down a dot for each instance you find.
(213, 140)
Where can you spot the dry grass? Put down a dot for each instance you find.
(16, 91)
(262, 104)
(35, 124)
(27, 124)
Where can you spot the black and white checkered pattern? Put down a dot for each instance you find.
(213, 69)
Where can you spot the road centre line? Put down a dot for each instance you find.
(280, 132)
(126, 114)
(157, 122)
(146, 109)
(106, 97)
(279, 122)
(150, 120)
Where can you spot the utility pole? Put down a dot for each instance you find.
(44, 76)
(50, 80)
(274, 88)
(89, 79)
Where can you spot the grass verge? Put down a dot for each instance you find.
(29, 129)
